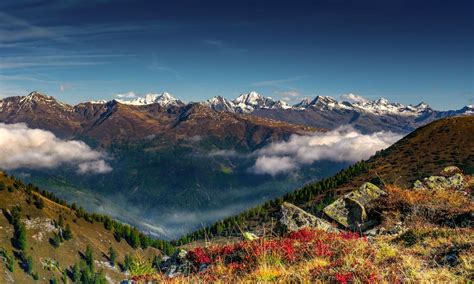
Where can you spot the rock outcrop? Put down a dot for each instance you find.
(177, 264)
(450, 177)
(349, 210)
(293, 218)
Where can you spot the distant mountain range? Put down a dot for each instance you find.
(322, 111)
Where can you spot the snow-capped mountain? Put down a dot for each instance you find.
(163, 99)
(321, 112)
(360, 104)
(220, 103)
(249, 102)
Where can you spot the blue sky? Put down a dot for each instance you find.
(406, 51)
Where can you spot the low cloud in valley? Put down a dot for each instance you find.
(23, 147)
(344, 144)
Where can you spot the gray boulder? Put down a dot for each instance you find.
(293, 218)
(349, 210)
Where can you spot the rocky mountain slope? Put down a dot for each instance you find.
(160, 115)
(43, 238)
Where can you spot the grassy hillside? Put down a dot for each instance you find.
(44, 238)
(424, 235)
(424, 152)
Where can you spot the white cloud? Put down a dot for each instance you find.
(354, 98)
(344, 144)
(274, 165)
(127, 95)
(223, 153)
(23, 147)
(288, 95)
(99, 166)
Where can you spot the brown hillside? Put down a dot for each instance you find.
(424, 152)
(40, 228)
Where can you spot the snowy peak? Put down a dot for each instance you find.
(383, 106)
(251, 101)
(163, 99)
(35, 98)
(253, 98)
(220, 103)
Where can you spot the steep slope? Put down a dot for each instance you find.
(424, 152)
(40, 111)
(44, 220)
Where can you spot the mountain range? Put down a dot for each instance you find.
(322, 111)
(179, 165)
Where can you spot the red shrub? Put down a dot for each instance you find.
(198, 255)
(344, 278)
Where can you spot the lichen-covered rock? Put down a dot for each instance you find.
(450, 171)
(455, 181)
(418, 185)
(349, 210)
(434, 182)
(293, 218)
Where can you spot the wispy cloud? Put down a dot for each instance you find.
(15, 31)
(14, 62)
(127, 95)
(157, 66)
(223, 47)
(25, 78)
(289, 96)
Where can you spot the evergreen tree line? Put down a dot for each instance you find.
(264, 212)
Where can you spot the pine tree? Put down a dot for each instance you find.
(29, 264)
(67, 234)
(112, 255)
(89, 257)
(134, 238)
(76, 273)
(20, 236)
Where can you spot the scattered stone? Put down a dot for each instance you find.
(249, 236)
(176, 265)
(349, 210)
(293, 218)
(454, 180)
(457, 181)
(418, 185)
(436, 182)
(450, 171)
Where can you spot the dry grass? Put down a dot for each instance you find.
(437, 206)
